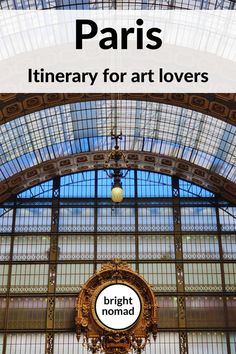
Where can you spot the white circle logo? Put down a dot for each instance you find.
(118, 306)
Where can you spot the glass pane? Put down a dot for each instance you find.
(31, 248)
(160, 275)
(116, 246)
(124, 5)
(78, 185)
(5, 220)
(168, 311)
(29, 278)
(231, 310)
(230, 276)
(202, 277)
(5, 244)
(3, 277)
(214, 342)
(205, 311)
(67, 343)
(229, 246)
(200, 247)
(1, 343)
(153, 185)
(116, 219)
(188, 189)
(33, 220)
(65, 312)
(147, 126)
(71, 276)
(155, 219)
(27, 313)
(156, 247)
(25, 343)
(3, 304)
(233, 343)
(76, 219)
(76, 247)
(198, 219)
(228, 219)
(167, 342)
(43, 190)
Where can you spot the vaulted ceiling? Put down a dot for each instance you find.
(188, 135)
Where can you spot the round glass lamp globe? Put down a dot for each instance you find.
(117, 194)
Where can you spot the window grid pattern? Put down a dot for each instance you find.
(228, 219)
(29, 278)
(231, 309)
(43, 190)
(25, 343)
(165, 343)
(228, 245)
(5, 244)
(27, 248)
(202, 277)
(76, 219)
(214, 342)
(205, 310)
(6, 220)
(233, 343)
(156, 247)
(77, 247)
(230, 276)
(155, 219)
(1, 343)
(3, 305)
(200, 247)
(91, 231)
(33, 220)
(161, 276)
(116, 246)
(168, 308)
(168, 342)
(116, 219)
(70, 277)
(198, 219)
(65, 312)
(27, 313)
(3, 277)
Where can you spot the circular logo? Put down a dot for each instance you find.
(118, 306)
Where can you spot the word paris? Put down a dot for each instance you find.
(88, 29)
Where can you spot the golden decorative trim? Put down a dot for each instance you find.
(97, 337)
(221, 106)
(136, 160)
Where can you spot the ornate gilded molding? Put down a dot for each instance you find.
(99, 337)
(219, 105)
(136, 160)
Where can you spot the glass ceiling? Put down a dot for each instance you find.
(117, 4)
(146, 126)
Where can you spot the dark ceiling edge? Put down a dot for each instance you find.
(219, 105)
(136, 160)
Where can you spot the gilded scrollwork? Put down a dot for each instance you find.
(97, 337)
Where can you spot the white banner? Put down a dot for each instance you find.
(122, 51)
